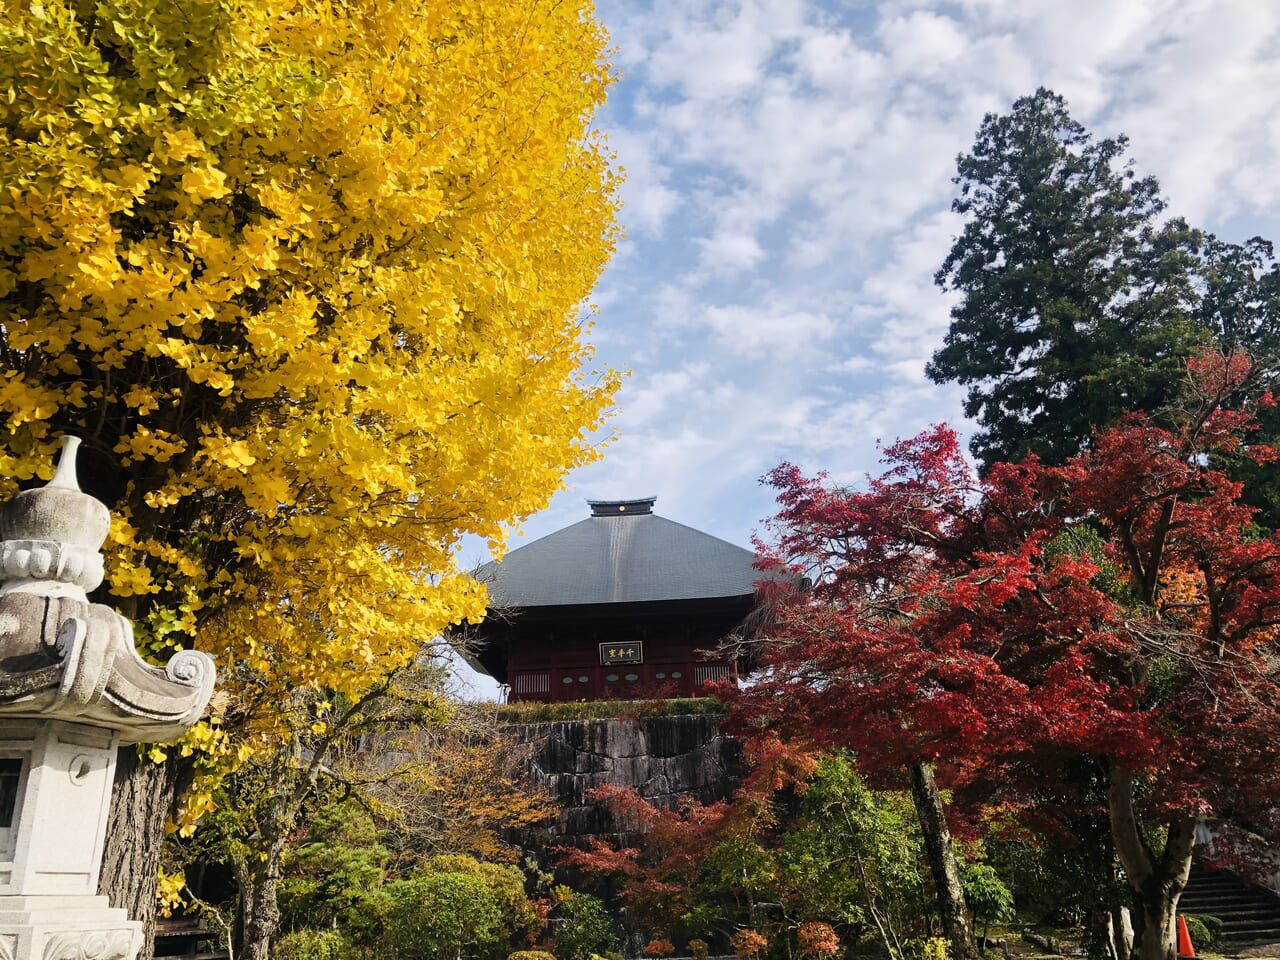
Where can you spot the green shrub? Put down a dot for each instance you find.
(312, 945)
(505, 883)
(455, 906)
(442, 914)
(988, 897)
(1213, 925)
(1202, 934)
(333, 878)
(584, 929)
(931, 948)
(698, 949)
(530, 955)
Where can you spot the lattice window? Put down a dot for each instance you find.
(704, 672)
(523, 684)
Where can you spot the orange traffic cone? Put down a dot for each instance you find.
(1185, 949)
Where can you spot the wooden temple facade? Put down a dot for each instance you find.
(622, 605)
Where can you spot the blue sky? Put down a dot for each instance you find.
(788, 198)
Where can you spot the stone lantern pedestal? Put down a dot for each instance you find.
(72, 690)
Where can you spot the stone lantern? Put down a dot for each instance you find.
(72, 690)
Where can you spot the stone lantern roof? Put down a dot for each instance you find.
(62, 657)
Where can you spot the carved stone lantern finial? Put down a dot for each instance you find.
(53, 534)
(72, 689)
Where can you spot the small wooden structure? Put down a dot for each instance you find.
(622, 605)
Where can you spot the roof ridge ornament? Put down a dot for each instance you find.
(618, 508)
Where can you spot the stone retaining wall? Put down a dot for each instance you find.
(662, 758)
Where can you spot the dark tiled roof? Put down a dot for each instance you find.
(620, 558)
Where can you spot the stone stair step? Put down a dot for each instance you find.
(1240, 931)
(1234, 908)
(1249, 915)
(1224, 911)
(1265, 931)
(1233, 945)
(1252, 923)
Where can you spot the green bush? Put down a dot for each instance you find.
(455, 906)
(584, 929)
(505, 883)
(530, 955)
(932, 948)
(1203, 930)
(1213, 925)
(442, 914)
(988, 897)
(312, 945)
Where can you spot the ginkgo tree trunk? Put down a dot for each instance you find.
(1121, 607)
(308, 280)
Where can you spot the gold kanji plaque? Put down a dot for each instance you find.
(630, 652)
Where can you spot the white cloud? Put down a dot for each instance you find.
(657, 399)
(728, 251)
(832, 60)
(1203, 106)
(715, 51)
(859, 363)
(768, 330)
(647, 199)
(922, 43)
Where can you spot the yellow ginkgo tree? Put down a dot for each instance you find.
(308, 279)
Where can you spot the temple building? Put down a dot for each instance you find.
(622, 605)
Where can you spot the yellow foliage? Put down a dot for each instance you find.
(169, 892)
(1181, 587)
(307, 279)
(458, 790)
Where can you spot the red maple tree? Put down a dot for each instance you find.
(1121, 607)
(663, 879)
(657, 879)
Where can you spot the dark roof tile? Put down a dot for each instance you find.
(625, 558)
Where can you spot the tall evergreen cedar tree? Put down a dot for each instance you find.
(1121, 607)
(307, 280)
(1078, 299)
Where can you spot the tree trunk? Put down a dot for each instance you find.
(259, 875)
(141, 799)
(1120, 933)
(1157, 883)
(942, 861)
(1157, 940)
(260, 911)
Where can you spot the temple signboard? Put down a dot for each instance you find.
(611, 653)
